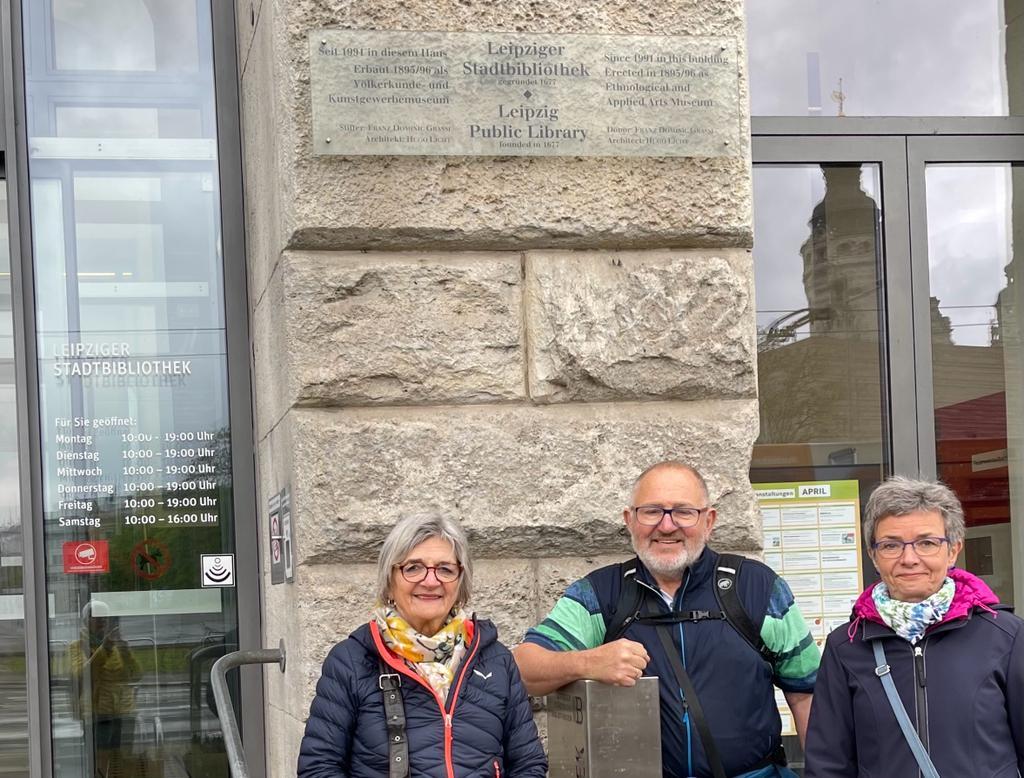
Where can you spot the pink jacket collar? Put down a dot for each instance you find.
(971, 592)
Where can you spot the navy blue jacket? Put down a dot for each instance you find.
(966, 691)
(734, 685)
(486, 728)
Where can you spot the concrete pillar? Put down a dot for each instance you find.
(508, 340)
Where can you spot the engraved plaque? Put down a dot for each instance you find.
(434, 93)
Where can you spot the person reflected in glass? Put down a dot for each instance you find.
(466, 710)
(104, 673)
(956, 656)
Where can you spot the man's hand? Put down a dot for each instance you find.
(620, 663)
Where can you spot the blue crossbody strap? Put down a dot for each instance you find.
(882, 671)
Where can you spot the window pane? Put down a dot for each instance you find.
(883, 58)
(817, 255)
(977, 369)
(816, 261)
(133, 395)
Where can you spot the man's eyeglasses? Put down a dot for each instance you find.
(414, 572)
(651, 515)
(891, 549)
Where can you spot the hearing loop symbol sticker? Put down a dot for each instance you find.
(218, 570)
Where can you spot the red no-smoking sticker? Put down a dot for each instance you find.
(86, 556)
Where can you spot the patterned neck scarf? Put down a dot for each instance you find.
(909, 620)
(434, 657)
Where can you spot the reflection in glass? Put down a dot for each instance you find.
(13, 690)
(816, 261)
(817, 258)
(878, 58)
(136, 446)
(977, 366)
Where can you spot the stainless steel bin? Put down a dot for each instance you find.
(597, 731)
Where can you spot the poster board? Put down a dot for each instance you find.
(812, 539)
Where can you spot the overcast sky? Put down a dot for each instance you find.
(896, 57)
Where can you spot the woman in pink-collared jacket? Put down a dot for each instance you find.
(955, 654)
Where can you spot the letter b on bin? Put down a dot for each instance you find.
(598, 731)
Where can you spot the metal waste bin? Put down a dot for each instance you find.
(597, 731)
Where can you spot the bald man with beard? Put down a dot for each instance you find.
(670, 519)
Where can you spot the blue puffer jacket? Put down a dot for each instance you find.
(485, 729)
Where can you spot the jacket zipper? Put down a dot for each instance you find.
(454, 698)
(446, 716)
(686, 703)
(921, 690)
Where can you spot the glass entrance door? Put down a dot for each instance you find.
(130, 325)
(967, 219)
(825, 324)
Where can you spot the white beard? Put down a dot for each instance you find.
(666, 567)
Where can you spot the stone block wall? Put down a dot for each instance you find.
(506, 340)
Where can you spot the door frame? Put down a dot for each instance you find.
(896, 357)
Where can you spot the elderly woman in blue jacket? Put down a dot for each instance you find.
(423, 689)
(928, 638)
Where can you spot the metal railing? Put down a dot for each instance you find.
(226, 711)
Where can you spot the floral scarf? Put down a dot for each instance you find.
(909, 620)
(434, 657)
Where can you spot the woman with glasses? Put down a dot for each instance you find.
(928, 676)
(424, 688)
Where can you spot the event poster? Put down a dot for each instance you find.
(812, 539)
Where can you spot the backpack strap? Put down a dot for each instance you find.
(691, 703)
(727, 596)
(631, 600)
(390, 684)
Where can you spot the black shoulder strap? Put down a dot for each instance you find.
(691, 702)
(394, 715)
(631, 598)
(727, 596)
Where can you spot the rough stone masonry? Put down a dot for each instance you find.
(508, 340)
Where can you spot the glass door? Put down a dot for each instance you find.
(967, 218)
(130, 324)
(827, 326)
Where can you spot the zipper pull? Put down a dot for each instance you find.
(448, 720)
(919, 664)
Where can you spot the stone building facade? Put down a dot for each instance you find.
(507, 340)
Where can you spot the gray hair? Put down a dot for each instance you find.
(899, 495)
(669, 464)
(408, 533)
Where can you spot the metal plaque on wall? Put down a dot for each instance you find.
(498, 94)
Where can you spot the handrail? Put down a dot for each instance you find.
(225, 710)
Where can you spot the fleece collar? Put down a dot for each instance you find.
(971, 592)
